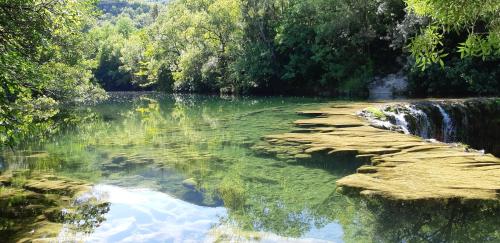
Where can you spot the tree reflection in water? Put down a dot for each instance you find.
(428, 221)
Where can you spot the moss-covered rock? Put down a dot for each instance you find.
(189, 183)
(34, 207)
(376, 112)
(470, 121)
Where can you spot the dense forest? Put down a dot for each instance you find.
(69, 51)
(320, 47)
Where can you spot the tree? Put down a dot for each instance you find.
(476, 22)
(315, 47)
(197, 41)
(42, 61)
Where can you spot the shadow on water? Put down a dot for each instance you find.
(339, 164)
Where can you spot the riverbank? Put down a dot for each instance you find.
(395, 166)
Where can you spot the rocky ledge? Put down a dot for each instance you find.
(397, 166)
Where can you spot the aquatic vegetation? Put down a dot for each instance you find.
(232, 192)
(401, 167)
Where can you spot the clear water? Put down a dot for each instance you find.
(180, 168)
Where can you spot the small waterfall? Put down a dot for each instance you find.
(420, 125)
(447, 125)
(400, 120)
(473, 122)
(423, 125)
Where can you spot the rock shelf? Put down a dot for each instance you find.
(398, 166)
(36, 207)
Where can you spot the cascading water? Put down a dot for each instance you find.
(447, 127)
(423, 125)
(400, 120)
(474, 122)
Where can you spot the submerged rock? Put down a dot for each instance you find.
(35, 206)
(55, 186)
(189, 183)
(118, 159)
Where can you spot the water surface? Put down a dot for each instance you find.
(177, 168)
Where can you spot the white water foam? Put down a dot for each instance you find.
(400, 120)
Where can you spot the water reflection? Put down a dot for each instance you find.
(35, 206)
(176, 168)
(144, 215)
(452, 221)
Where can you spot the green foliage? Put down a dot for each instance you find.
(196, 41)
(283, 46)
(143, 12)
(477, 20)
(109, 41)
(273, 46)
(121, 48)
(376, 112)
(329, 45)
(425, 48)
(460, 77)
(42, 62)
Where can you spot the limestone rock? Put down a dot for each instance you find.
(399, 166)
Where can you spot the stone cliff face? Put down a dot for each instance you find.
(475, 122)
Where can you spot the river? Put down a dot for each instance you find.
(181, 168)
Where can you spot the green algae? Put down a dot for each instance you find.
(232, 192)
(376, 112)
